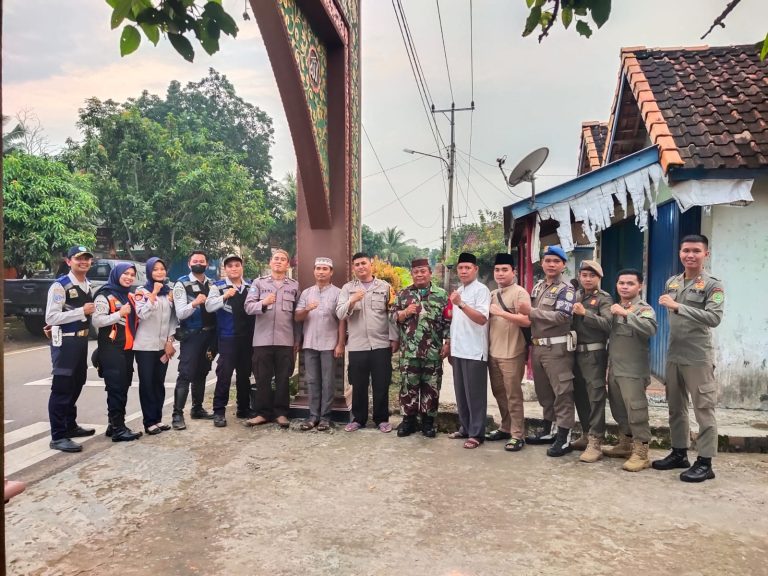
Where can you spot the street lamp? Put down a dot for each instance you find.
(448, 226)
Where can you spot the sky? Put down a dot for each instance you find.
(527, 95)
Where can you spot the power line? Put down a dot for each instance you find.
(445, 52)
(380, 208)
(386, 176)
(416, 159)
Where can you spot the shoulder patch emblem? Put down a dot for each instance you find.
(569, 296)
(717, 296)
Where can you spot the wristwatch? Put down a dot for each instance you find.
(461, 306)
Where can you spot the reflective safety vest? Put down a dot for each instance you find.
(120, 332)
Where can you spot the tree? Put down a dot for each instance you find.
(12, 139)
(395, 247)
(372, 242)
(281, 203)
(166, 187)
(484, 239)
(47, 210)
(544, 14)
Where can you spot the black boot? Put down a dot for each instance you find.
(678, 458)
(198, 393)
(544, 436)
(700, 471)
(428, 426)
(561, 446)
(108, 431)
(407, 426)
(179, 400)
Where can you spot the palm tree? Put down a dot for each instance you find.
(394, 247)
(12, 140)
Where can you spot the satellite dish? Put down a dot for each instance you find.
(525, 171)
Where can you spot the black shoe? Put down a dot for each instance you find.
(428, 426)
(108, 431)
(498, 435)
(406, 427)
(65, 445)
(678, 458)
(200, 414)
(700, 471)
(177, 422)
(219, 420)
(561, 446)
(124, 434)
(544, 436)
(80, 432)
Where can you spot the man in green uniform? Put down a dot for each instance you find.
(695, 302)
(629, 371)
(550, 314)
(592, 323)
(422, 315)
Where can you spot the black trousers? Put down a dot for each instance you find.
(70, 369)
(117, 368)
(270, 362)
(234, 355)
(374, 366)
(151, 385)
(193, 368)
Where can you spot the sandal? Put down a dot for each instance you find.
(498, 435)
(458, 435)
(472, 443)
(163, 427)
(514, 445)
(153, 430)
(258, 421)
(323, 426)
(306, 425)
(283, 422)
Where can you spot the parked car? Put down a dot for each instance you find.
(27, 297)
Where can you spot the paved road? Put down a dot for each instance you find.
(27, 387)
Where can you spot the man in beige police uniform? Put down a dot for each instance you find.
(550, 316)
(507, 352)
(592, 323)
(695, 302)
(629, 370)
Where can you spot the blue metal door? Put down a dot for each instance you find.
(664, 237)
(621, 246)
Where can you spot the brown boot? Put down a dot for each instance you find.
(622, 450)
(639, 459)
(593, 453)
(581, 443)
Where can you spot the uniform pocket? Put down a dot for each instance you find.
(565, 383)
(638, 412)
(289, 301)
(623, 329)
(697, 298)
(707, 396)
(379, 302)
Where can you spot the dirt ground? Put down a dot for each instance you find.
(272, 502)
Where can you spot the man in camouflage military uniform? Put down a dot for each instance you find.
(550, 314)
(592, 323)
(629, 371)
(422, 315)
(695, 303)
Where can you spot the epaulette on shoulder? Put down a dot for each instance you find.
(219, 283)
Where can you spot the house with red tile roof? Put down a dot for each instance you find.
(684, 151)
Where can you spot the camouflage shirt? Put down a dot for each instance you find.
(422, 335)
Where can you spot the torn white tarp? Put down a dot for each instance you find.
(710, 192)
(594, 208)
(536, 242)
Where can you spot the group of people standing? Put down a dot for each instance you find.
(583, 348)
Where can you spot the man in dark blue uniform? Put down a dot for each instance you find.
(70, 304)
(197, 334)
(234, 329)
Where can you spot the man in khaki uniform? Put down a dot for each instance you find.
(507, 353)
(629, 371)
(592, 323)
(695, 302)
(550, 315)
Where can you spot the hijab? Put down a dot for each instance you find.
(150, 285)
(114, 288)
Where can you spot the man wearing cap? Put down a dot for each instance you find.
(507, 353)
(364, 303)
(272, 299)
(550, 314)
(469, 351)
(234, 330)
(197, 337)
(70, 304)
(694, 301)
(592, 323)
(422, 314)
(323, 343)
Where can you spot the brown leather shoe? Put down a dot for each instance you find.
(258, 421)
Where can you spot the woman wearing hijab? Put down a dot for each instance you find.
(116, 320)
(153, 345)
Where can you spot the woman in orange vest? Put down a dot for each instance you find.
(116, 320)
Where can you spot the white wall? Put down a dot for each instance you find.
(739, 258)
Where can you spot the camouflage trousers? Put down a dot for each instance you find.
(420, 386)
